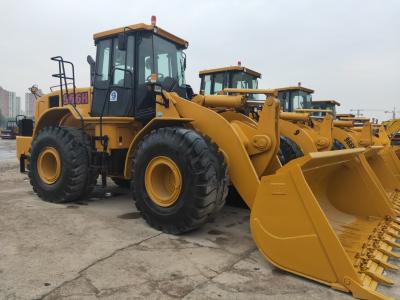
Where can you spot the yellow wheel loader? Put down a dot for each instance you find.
(141, 123)
(300, 134)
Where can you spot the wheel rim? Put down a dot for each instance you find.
(163, 181)
(49, 165)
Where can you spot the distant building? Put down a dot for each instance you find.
(29, 104)
(4, 102)
(10, 104)
(14, 105)
(17, 106)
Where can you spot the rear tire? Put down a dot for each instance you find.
(234, 199)
(191, 156)
(289, 150)
(337, 145)
(123, 183)
(75, 179)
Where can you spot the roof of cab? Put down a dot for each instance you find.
(345, 115)
(327, 101)
(138, 27)
(231, 68)
(295, 88)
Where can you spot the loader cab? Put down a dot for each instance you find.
(129, 61)
(325, 104)
(294, 98)
(214, 81)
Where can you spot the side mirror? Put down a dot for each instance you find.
(90, 60)
(122, 41)
(92, 64)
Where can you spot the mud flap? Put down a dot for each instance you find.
(323, 217)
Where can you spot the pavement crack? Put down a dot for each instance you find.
(117, 251)
(245, 255)
(58, 287)
(96, 262)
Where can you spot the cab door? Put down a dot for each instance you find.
(114, 81)
(122, 80)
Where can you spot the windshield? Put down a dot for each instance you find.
(169, 61)
(243, 80)
(324, 105)
(300, 100)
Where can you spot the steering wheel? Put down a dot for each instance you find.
(160, 76)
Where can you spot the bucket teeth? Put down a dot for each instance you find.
(384, 237)
(391, 243)
(385, 264)
(362, 262)
(393, 226)
(393, 234)
(389, 253)
(379, 278)
(395, 220)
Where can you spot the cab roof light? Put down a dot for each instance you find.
(153, 20)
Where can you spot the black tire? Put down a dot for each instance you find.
(76, 178)
(197, 200)
(281, 157)
(234, 199)
(93, 173)
(337, 145)
(222, 174)
(289, 150)
(123, 183)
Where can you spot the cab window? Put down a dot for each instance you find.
(206, 84)
(243, 80)
(103, 61)
(298, 102)
(130, 60)
(118, 65)
(122, 63)
(301, 100)
(284, 100)
(169, 61)
(145, 59)
(218, 83)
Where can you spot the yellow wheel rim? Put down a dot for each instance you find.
(163, 181)
(49, 165)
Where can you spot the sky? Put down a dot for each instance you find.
(346, 50)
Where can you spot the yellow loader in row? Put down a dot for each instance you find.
(392, 128)
(307, 126)
(139, 123)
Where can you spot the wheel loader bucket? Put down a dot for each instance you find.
(323, 217)
(391, 159)
(397, 151)
(385, 174)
